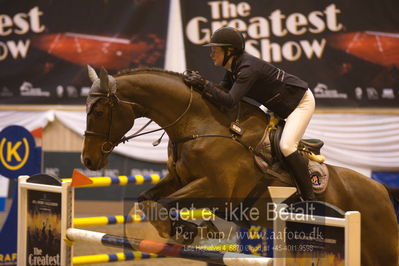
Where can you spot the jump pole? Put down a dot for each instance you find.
(178, 251)
(135, 218)
(105, 181)
(120, 256)
(108, 220)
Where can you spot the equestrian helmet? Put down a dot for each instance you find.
(228, 37)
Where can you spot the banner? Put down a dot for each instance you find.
(44, 228)
(348, 51)
(45, 46)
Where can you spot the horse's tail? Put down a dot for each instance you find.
(394, 196)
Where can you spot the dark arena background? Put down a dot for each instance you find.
(347, 51)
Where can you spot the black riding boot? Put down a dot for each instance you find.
(301, 174)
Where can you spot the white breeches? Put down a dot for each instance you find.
(296, 124)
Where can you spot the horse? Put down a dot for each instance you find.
(206, 161)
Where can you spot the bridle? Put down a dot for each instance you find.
(108, 144)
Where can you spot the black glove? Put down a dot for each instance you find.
(194, 79)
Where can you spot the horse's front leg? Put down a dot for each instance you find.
(165, 223)
(148, 201)
(169, 184)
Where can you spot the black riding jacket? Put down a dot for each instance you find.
(254, 78)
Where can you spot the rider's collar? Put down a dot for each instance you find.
(236, 62)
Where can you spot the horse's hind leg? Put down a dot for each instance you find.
(379, 233)
(349, 190)
(379, 240)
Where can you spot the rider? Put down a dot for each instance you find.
(282, 93)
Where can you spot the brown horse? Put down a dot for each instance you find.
(205, 162)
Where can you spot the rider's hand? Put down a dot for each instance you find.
(194, 79)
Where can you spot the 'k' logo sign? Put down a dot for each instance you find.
(18, 152)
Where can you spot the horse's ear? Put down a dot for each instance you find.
(92, 73)
(104, 79)
(112, 83)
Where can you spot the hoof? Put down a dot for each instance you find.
(210, 229)
(153, 211)
(184, 232)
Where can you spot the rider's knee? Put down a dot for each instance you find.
(287, 148)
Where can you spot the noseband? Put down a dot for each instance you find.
(109, 145)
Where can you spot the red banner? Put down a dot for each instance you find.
(45, 46)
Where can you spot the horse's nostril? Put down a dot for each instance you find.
(87, 162)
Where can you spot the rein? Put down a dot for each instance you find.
(137, 133)
(109, 145)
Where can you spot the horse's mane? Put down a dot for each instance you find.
(145, 70)
(133, 71)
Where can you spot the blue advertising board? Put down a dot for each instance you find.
(19, 155)
(18, 152)
(390, 179)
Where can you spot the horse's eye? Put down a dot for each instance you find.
(98, 113)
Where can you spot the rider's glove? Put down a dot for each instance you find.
(194, 79)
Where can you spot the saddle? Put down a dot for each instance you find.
(309, 148)
(270, 160)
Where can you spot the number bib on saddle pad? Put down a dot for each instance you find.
(318, 175)
(269, 160)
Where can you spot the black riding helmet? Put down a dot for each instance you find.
(228, 37)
